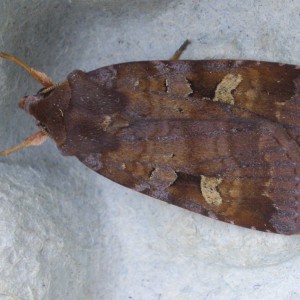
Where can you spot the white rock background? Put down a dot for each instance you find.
(67, 233)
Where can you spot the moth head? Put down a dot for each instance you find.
(47, 107)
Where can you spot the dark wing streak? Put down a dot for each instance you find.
(204, 132)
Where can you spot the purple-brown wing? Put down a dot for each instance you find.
(219, 138)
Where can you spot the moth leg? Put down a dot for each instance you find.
(178, 52)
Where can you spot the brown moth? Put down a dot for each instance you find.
(217, 137)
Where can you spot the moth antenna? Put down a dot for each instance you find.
(40, 77)
(35, 139)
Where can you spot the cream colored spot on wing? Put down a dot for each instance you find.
(209, 190)
(270, 182)
(236, 189)
(163, 177)
(280, 103)
(178, 86)
(251, 94)
(225, 88)
(106, 122)
(279, 106)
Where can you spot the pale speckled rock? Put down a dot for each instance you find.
(67, 233)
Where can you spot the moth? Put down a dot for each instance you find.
(217, 137)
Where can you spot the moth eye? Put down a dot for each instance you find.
(45, 91)
(40, 90)
(43, 127)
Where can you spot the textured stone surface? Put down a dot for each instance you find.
(67, 233)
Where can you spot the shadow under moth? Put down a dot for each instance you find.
(217, 137)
